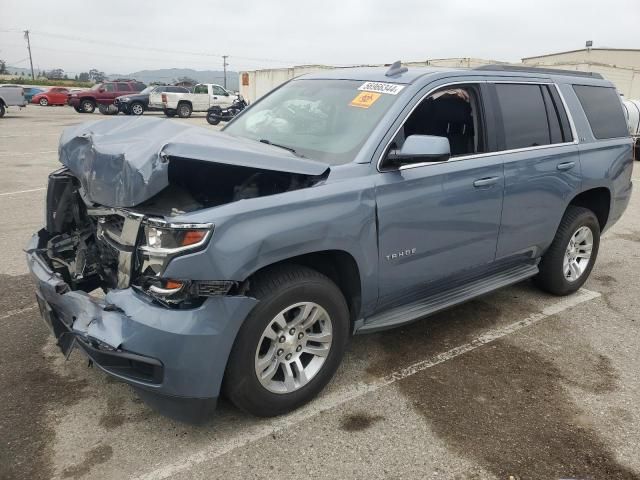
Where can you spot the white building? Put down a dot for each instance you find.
(620, 66)
(254, 84)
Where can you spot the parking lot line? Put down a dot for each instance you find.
(338, 398)
(22, 191)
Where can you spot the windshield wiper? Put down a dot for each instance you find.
(268, 142)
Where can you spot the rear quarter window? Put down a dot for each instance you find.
(603, 109)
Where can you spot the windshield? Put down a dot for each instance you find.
(148, 90)
(96, 86)
(326, 120)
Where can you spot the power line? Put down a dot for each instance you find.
(162, 50)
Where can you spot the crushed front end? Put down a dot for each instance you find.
(100, 287)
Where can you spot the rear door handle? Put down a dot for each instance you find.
(566, 166)
(486, 182)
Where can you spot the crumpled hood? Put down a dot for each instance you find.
(122, 162)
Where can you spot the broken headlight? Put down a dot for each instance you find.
(168, 239)
(162, 242)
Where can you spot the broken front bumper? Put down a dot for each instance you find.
(171, 356)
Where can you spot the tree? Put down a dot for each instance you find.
(84, 77)
(186, 81)
(96, 75)
(55, 74)
(3, 67)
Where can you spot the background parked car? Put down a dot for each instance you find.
(204, 96)
(137, 104)
(11, 95)
(105, 93)
(30, 92)
(53, 96)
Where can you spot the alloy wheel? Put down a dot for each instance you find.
(136, 109)
(293, 348)
(577, 254)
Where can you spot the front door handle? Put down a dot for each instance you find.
(566, 166)
(486, 182)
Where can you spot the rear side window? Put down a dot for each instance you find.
(524, 115)
(604, 111)
(123, 87)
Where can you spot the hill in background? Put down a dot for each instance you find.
(166, 75)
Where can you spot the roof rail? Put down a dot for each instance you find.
(551, 71)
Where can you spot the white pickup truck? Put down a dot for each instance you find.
(204, 96)
(11, 96)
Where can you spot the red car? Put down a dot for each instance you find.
(103, 94)
(53, 96)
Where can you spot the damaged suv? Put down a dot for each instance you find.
(190, 263)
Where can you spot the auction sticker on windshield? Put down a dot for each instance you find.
(365, 99)
(381, 87)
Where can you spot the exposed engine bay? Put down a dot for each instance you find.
(93, 246)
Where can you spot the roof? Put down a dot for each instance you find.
(376, 74)
(582, 50)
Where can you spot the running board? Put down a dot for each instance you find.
(448, 298)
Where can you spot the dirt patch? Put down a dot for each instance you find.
(507, 409)
(631, 237)
(29, 387)
(440, 332)
(356, 422)
(118, 412)
(97, 455)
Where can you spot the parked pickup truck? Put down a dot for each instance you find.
(11, 96)
(204, 96)
(349, 201)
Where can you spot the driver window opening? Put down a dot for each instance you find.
(451, 112)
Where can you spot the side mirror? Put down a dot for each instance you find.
(421, 148)
(101, 90)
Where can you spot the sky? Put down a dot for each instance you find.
(124, 36)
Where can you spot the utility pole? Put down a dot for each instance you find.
(26, 37)
(224, 66)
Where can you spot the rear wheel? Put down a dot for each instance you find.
(136, 108)
(78, 109)
(569, 260)
(88, 106)
(290, 344)
(2, 110)
(44, 102)
(184, 110)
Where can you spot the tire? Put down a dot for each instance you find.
(278, 290)
(169, 113)
(136, 108)
(184, 110)
(43, 102)
(78, 109)
(2, 110)
(88, 106)
(212, 119)
(553, 277)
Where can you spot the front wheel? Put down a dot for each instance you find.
(290, 344)
(136, 108)
(44, 102)
(2, 110)
(569, 260)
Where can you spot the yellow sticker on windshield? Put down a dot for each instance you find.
(365, 99)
